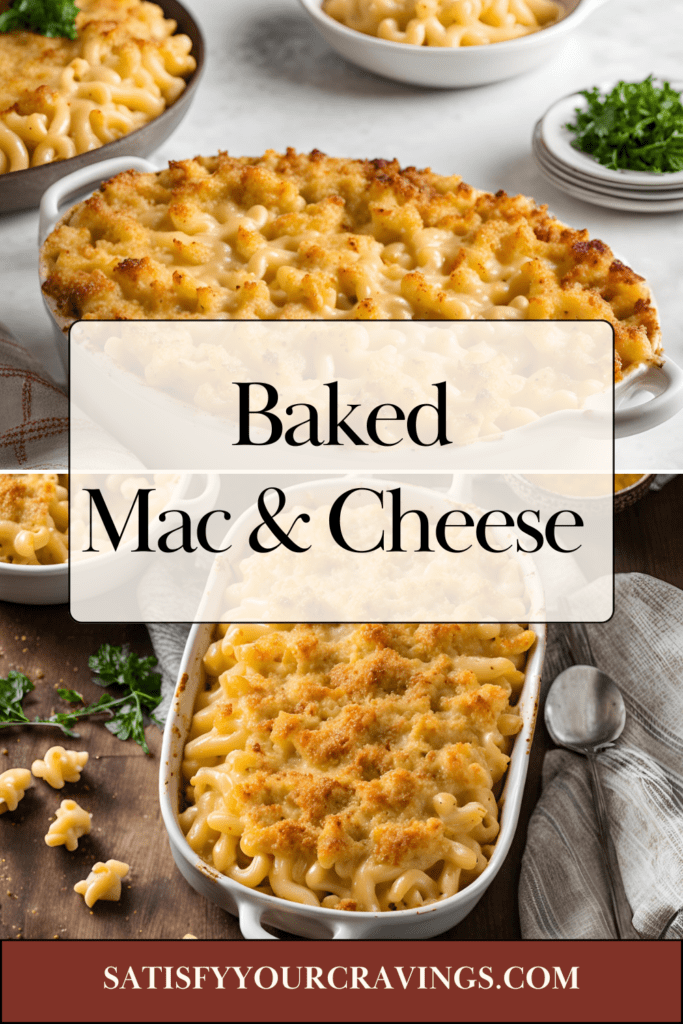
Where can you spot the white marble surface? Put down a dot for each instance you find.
(271, 81)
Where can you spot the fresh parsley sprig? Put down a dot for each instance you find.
(111, 666)
(637, 126)
(51, 18)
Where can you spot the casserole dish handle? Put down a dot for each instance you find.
(665, 383)
(204, 501)
(250, 923)
(70, 185)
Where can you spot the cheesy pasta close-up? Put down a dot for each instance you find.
(353, 766)
(34, 518)
(299, 236)
(445, 22)
(61, 97)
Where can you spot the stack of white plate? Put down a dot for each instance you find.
(582, 176)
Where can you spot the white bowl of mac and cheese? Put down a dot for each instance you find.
(239, 765)
(445, 44)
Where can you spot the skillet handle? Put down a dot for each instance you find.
(69, 186)
(666, 384)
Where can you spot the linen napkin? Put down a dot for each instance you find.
(563, 891)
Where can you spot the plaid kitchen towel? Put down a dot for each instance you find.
(34, 421)
(563, 890)
(34, 411)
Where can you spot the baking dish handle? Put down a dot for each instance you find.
(250, 924)
(665, 383)
(205, 500)
(250, 921)
(71, 184)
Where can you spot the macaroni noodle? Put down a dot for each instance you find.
(34, 518)
(60, 97)
(445, 22)
(296, 237)
(103, 882)
(13, 785)
(71, 823)
(353, 766)
(60, 766)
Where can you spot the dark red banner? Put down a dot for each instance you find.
(341, 981)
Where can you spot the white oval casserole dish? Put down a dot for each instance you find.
(255, 909)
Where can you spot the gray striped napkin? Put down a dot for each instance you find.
(563, 890)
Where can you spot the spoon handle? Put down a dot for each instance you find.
(620, 905)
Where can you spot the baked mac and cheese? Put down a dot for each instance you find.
(445, 22)
(353, 766)
(60, 97)
(314, 237)
(34, 518)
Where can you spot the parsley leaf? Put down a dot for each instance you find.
(112, 666)
(12, 692)
(637, 126)
(52, 18)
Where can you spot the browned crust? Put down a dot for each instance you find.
(374, 725)
(98, 263)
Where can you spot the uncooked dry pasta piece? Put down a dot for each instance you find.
(71, 823)
(60, 766)
(103, 882)
(13, 785)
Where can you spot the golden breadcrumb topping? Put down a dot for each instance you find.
(298, 236)
(353, 754)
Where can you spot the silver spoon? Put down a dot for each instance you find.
(585, 712)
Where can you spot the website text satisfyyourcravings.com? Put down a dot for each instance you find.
(339, 977)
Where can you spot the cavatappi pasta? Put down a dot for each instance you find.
(353, 766)
(13, 785)
(34, 518)
(445, 22)
(60, 766)
(71, 822)
(103, 882)
(296, 237)
(59, 97)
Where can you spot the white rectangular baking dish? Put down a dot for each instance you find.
(658, 390)
(255, 909)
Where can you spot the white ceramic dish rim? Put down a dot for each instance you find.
(252, 905)
(606, 188)
(585, 497)
(100, 560)
(642, 417)
(581, 10)
(558, 140)
(251, 518)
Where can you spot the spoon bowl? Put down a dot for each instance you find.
(584, 709)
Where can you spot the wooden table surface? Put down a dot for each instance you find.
(119, 785)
